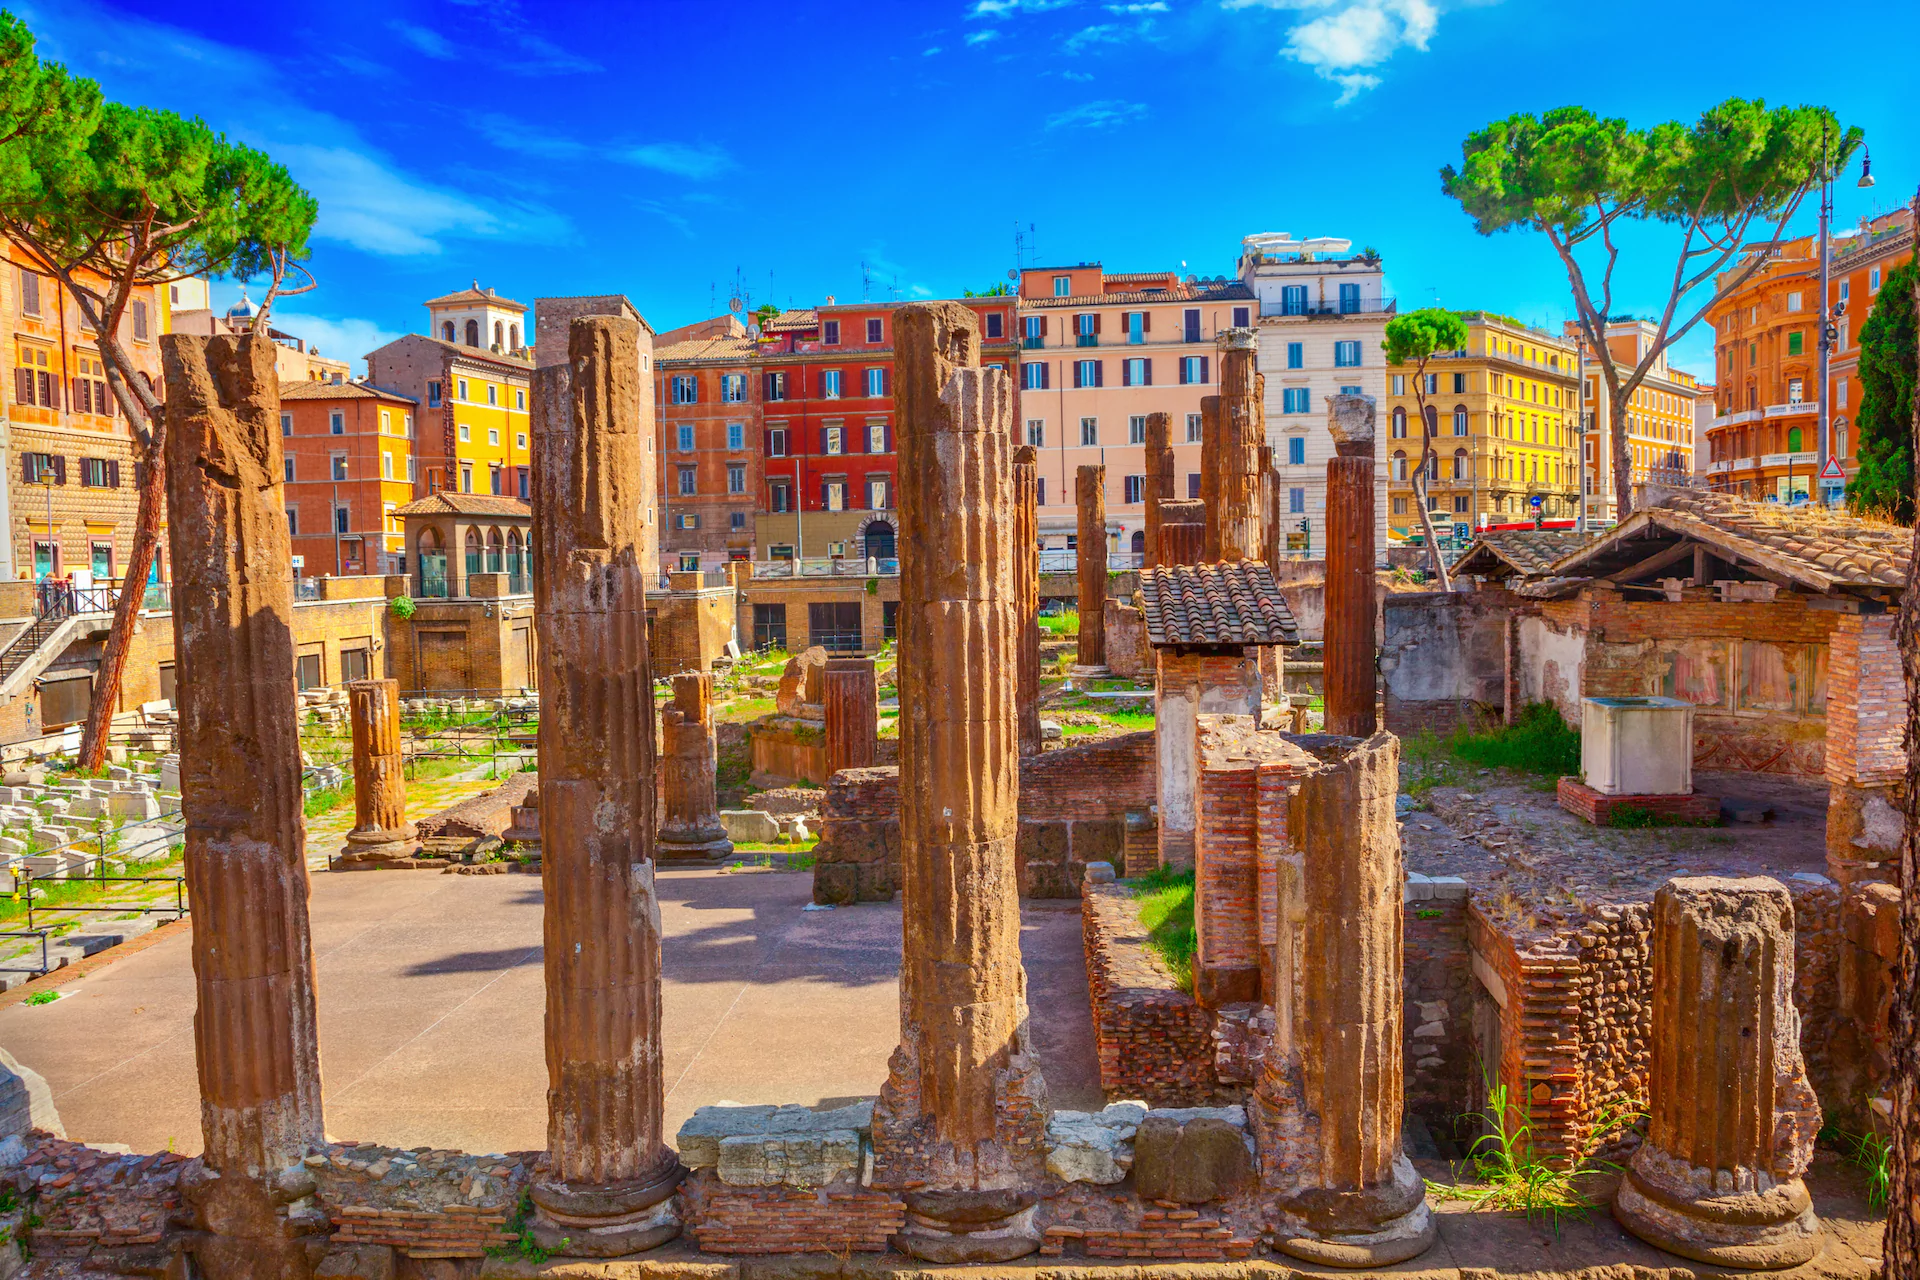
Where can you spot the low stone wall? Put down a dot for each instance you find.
(784, 749)
(841, 1217)
(1153, 1039)
(474, 825)
(858, 857)
(1437, 1026)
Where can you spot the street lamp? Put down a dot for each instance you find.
(1830, 314)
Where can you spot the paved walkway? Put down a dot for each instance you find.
(431, 1003)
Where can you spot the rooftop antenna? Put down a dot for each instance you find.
(866, 282)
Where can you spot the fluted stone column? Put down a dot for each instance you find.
(690, 830)
(1026, 588)
(1230, 453)
(1328, 1103)
(1090, 563)
(255, 1044)
(1209, 480)
(850, 691)
(381, 832)
(960, 1126)
(611, 1177)
(1349, 645)
(1159, 479)
(1731, 1117)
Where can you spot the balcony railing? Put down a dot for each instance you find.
(1735, 419)
(1335, 307)
(1791, 408)
(827, 567)
(1086, 340)
(1069, 561)
(1806, 459)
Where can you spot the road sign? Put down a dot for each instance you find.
(1833, 470)
(1461, 533)
(1536, 500)
(299, 562)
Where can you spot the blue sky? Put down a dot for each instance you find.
(669, 149)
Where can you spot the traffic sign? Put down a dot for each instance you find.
(1536, 500)
(1833, 470)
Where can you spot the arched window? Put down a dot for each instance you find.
(1433, 421)
(499, 333)
(1793, 440)
(473, 333)
(1399, 464)
(1138, 542)
(496, 548)
(880, 540)
(1459, 419)
(1399, 424)
(1460, 464)
(446, 331)
(513, 336)
(473, 551)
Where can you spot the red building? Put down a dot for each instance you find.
(831, 472)
(707, 391)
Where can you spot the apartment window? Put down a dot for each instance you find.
(733, 388)
(1040, 491)
(1037, 432)
(1296, 400)
(1459, 384)
(139, 320)
(93, 473)
(1086, 329)
(1193, 484)
(1293, 300)
(1433, 384)
(466, 478)
(876, 383)
(1296, 355)
(777, 442)
(833, 495)
(1349, 299)
(1034, 330)
(1461, 503)
(1840, 393)
(520, 397)
(286, 423)
(688, 478)
(1796, 390)
(1296, 501)
(736, 520)
(995, 319)
(1793, 301)
(493, 393)
(686, 389)
(779, 496)
(342, 520)
(1190, 324)
(1063, 286)
(293, 521)
(1399, 506)
(1133, 488)
(1242, 317)
(1346, 355)
(774, 386)
(339, 465)
(877, 438)
(1137, 325)
(1399, 384)
(1089, 432)
(1193, 428)
(1873, 280)
(407, 422)
(29, 293)
(1137, 429)
(1297, 450)
(1460, 421)
(386, 465)
(1796, 343)
(461, 389)
(286, 468)
(1086, 373)
(876, 330)
(683, 437)
(830, 333)
(1193, 369)
(465, 432)
(1136, 373)
(829, 384)
(832, 441)
(412, 470)
(1033, 375)
(336, 423)
(736, 477)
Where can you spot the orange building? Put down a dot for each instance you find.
(709, 442)
(1862, 259)
(348, 450)
(1662, 414)
(69, 497)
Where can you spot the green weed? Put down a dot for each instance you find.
(519, 1226)
(1511, 1176)
(1629, 817)
(1870, 1153)
(1538, 741)
(42, 997)
(1166, 909)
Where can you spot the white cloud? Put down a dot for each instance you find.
(929, 52)
(1155, 6)
(431, 43)
(981, 37)
(1099, 33)
(696, 160)
(1003, 8)
(348, 339)
(1104, 114)
(1348, 37)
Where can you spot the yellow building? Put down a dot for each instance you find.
(1661, 418)
(1503, 420)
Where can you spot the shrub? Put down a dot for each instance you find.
(1538, 741)
(401, 607)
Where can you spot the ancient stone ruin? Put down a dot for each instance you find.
(1349, 629)
(690, 830)
(381, 832)
(1090, 562)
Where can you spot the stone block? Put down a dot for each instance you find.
(700, 1137)
(749, 826)
(137, 805)
(1095, 1147)
(1100, 873)
(809, 1159)
(47, 838)
(1191, 1155)
(32, 776)
(357, 1262)
(1099, 840)
(836, 884)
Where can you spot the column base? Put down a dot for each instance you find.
(608, 1220)
(393, 844)
(969, 1226)
(1408, 1236)
(1672, 1206)
(1372, 1227)
(693, 853)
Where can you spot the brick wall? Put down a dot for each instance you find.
(1438, 981)
(1226, 962)
(690, 629)
(840, 1218)
(1443, 661)
(1154, 1041)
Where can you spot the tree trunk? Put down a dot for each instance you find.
(1426, 523)
(1622, 457)
(126, 611)
(1901, 1249)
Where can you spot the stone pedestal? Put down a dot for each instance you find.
(1349, 646)
(1230, 453)
(852, 696)
(690, 830)
(611, 1177)
(255, 1042)
(1731, 1117)
(1026, 588)
(381, 832)
(1159, 479)
(1090, 563)
(960, 1128)
(1328, 1102)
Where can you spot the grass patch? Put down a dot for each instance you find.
(1061, 624)
(1629, 817)
(1510, 1176)
(42, 997)
(1166, 909)
(1869, 1153)
(51, 894)
(741, 710)
(1538, 741)
(326, 800)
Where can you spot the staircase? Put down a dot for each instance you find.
(60, 621)
(22, 649)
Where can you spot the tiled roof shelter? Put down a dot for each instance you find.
(1215, 605)
(1498, 553)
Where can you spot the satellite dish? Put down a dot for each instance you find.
(736, 305)
(1013, 273)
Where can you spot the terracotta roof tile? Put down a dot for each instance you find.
(310, 390)
(1523, 551)
(1215, 604)
(719, 347)
(466, 504)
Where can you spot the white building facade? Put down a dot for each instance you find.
(1322, 317)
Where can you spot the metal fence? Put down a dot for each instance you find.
(93, 868)
(463, 727)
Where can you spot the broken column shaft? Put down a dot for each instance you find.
(690, 829)
(1159, 479)
(255, 1041)
(1349, 644)
(1090, 563)
(1731, 1118)
(850, 694)
(1026, 589)
(611, 1176)
(960, 1125)
(381, 831)
(1231, 453)
(1328, 1103)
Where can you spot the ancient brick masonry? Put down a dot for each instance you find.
(851, 694)
(1026, 586)
(690, 829)
(1159, 479)
(612, 1176)
(1865, 761)
(1350, 661)
(1090, 563)
(381, 831)
(1154, 1040)
(960, 1126)
(255, 1040)
(1731, 1117)
(1231, 454)
(1328, 1104)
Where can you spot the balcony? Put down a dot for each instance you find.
(1806, 459)
(1792, 408)
(1033, 342)
(827, 567)
(1735, 419)
(1335, 309)
(1086, 340)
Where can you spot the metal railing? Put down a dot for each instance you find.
(1069, 561)
(1335, 307)
(92, 869)
(828, 567)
